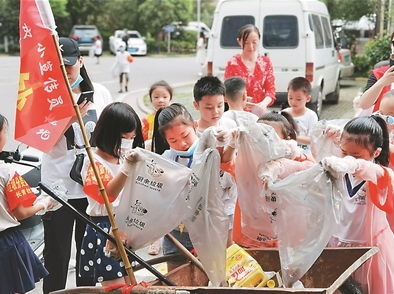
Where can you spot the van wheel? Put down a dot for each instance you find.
(333, 97)
(318, 105)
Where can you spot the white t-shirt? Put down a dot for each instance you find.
(94, 208)
(57, 163)
(305, 123)
(240, 117)
(7, 220)
(123, 62)
(98, 49)
(353, 213)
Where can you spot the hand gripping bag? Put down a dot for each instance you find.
(257, 144)
(307, 217)
(152, 203)
(324, 141)
(206, 221)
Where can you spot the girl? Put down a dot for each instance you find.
(20, 268)
(175, 126)
(364, 144)
(200, 48)
(160, 95)
(117, 127)
(286, 128)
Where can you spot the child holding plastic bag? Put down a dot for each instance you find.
(176, 125)
(365, 150)
(286, 128)
(20, 268)
(117, 131)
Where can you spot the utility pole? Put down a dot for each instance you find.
(381, 20)
(198, 18)
(389, 20)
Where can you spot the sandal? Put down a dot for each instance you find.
(154, 248)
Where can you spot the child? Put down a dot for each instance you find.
(298, 94)
(209, 95)
(123, 58)
(175, 125)
(365, 150)
(117, 128)
(20, 268)
(98, 48)
(236, 96)
(160, 95)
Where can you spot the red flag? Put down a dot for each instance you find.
(44, 107)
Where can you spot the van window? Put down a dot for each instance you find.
(318, 31)
(327, 32)
(230, 28)
(280, 31)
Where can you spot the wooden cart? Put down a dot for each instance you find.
(333, 267)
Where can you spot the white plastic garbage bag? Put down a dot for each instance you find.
(257, 144)
(206, 221)
(325, 136)
(152, 203)
(308, 212)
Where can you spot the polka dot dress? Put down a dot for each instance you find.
(93, 262)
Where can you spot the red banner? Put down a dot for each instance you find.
(44, 107)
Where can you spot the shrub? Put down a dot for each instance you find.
(362, 65)
(378, 50)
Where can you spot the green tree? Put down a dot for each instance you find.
(350, 10)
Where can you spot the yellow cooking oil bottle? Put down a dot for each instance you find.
(242, 270)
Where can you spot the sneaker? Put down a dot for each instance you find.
(120, 91)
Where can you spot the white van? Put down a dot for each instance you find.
(295, 34)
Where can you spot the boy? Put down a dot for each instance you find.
(298, 95)
(208, 95)
(236, 98)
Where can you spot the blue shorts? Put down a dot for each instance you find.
(169, 248)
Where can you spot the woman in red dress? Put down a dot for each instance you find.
(255, 68)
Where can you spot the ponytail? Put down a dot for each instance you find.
(384, 156)
(159, 143)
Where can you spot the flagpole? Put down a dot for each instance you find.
(114, 226)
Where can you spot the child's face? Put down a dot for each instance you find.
(297, 99)
(211, 108)
(386, 108)
(349, 147)
(3, 136)
(160, 97)
(180, 137)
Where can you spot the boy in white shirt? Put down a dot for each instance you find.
(236, 98)
(298, 95)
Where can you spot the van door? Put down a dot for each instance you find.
(283, 41)
(229, 17)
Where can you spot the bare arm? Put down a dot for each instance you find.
(304, 140)
(369, 97)
(21, 212)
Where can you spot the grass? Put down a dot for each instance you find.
(180, 95)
